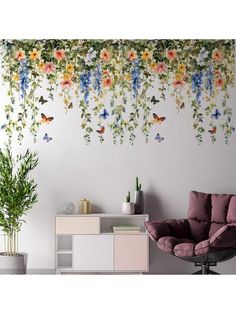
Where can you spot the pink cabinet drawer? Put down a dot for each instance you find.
(131, 252)
(77, 225)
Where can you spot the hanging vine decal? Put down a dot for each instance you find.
(109, 82)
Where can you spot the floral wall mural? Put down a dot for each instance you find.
(197, 73)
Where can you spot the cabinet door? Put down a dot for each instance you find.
(131, 252)
(93, 252)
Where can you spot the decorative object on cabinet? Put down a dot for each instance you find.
(128, 207)
(126, 229)
(86, 243)
(138, 198)
(68, 208)
(85, 207)
(17, 196)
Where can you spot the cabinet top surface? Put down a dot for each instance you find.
(105, 215)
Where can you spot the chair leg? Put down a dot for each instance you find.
(211, 272)
(205, 269)
(199, 272)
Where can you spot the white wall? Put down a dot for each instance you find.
(70, 170)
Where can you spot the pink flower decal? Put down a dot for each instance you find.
(49, 68)
(178, 84)
(66, 83)
(105, 55)
(161, 67)
(106, 72)
(219, 82)
(107, 82)
(171, 54)
(132, 55)
(217, 55)
(20, 55)
(59, 54)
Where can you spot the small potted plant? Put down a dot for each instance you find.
(128, 207)
(17, 196)
(138, 198)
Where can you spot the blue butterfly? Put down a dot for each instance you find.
(159, 138)
(216, 115)
(104, 114)
(47, 138)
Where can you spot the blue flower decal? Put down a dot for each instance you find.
(136, 81)
(197, 85)
(85, 80)
(24, 78)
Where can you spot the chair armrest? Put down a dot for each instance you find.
(176, 228)
(224, 237)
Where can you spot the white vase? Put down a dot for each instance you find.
(128, 208)
(12, 264)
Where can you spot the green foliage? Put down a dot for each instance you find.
(128, 197)
(138, 185)
(17, 189)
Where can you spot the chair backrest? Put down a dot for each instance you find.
(207, 213)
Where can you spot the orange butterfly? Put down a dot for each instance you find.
(213, 130)
(101, 130)
(157, 119)
(45, 120)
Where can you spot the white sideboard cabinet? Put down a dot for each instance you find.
(86, 243)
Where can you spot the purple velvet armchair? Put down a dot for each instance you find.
(206, 237)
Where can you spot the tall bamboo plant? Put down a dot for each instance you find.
(17, 194)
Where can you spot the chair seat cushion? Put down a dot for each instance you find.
(168, 244)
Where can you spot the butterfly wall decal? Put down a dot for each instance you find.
(213, 130)
(42, 100)
(182, 106)
(104, 114)
(216, 114)
(158, 119)
(101, 130)
(47, 138)
(45, 119)
(159, 138)
(154, 100)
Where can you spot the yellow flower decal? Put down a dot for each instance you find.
(127, 77)
(41, 66)
(179, 77)
(146, 54)
(67, 76)
(182, 68)
(34, 54)
(70, 68)
(15, 77)
(153, 66)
